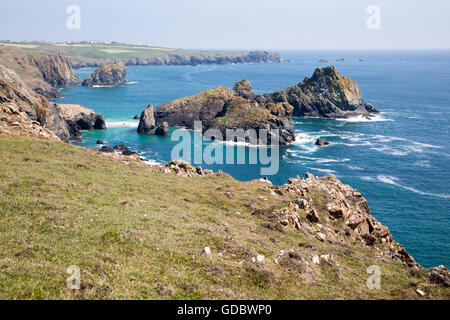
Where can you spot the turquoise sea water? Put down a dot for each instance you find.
(400, 161)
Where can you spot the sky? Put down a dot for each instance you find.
(234, 24)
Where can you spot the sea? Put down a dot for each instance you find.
(399, 161)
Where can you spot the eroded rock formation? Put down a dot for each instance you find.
(108, 75)
(326, 94)
(222, 109)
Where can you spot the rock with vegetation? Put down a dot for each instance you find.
(108, 75)
(326, 94)
(147, 121)
(222, 109)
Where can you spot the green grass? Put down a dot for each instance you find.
(138, 233)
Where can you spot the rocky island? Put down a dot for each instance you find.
(326, 94)
(108, 75)
(222, 109)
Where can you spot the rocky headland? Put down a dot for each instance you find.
(175, 59)
(108, 75)
(26, 112)
(56, 70)
(42, 73)
(80, 118)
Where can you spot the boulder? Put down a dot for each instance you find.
(312, 216)
(440, 275)
(322, 142)
(163, 129)
(147, 121)
(121, 148)
(106, 149)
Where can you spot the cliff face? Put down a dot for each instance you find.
(56, 70)
(173, 59)
(326, 94)
(26, 112)
(42, 74)
(222, 109)
(109, 75)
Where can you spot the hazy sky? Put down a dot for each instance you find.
(265, 24)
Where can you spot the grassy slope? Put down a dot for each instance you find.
(138, 233)
(101, 52)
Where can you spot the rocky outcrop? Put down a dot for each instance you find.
(81, 118)
(108, 75)
(23, 64)
(341, 216)
(147, 121)
(243, 89)
(33, 114)
(15, 94)
(223, 109)
(163, 129)
(321, 142)
(173, 59)
(56, 70)
(326, 94)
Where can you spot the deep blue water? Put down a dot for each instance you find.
(400, 163)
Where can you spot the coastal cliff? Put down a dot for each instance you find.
(108, 75)
(56, 70)
(26, 112)
(176, 59)
(326, 94)
(222, 109)
(42, 73)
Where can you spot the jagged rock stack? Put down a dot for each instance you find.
(147, 123)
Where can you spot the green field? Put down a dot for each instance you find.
(97, 52)
(138, 233)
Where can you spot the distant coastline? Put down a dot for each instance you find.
(96, 54)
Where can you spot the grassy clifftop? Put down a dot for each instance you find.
(97, 54)
(137, 232)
